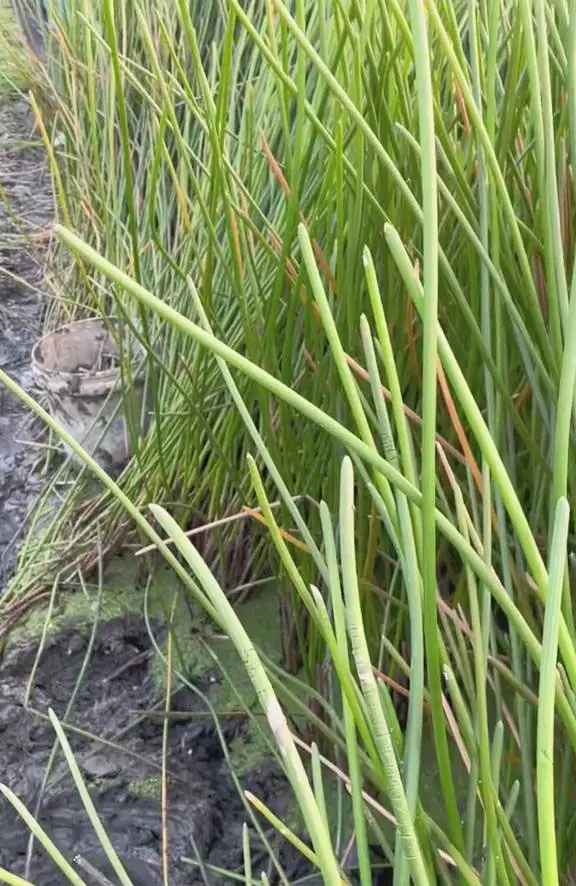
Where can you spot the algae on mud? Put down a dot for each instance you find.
(199, 650)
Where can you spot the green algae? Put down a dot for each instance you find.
(200, 651)
(150, 788)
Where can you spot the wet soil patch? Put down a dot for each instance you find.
(26, 209)
(205, 813)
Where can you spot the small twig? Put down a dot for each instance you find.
(36, 444)
(135, 660)
(249, 586)
(348, 851)
(365, 796)
(90, 869)
(165, 746)
(199, 530)
(185, 716)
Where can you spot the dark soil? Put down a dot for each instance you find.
(204, 811)
(25, 211)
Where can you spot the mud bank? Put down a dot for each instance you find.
(25, 213)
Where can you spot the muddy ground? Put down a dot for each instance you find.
(205, 813)
(25, 213)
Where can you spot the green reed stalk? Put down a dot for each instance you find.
(314, 821)
(381, 730)
(315, 414)
(546, 695)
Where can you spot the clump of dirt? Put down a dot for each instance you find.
(122, 764)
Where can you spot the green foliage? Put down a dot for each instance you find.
(344, 234)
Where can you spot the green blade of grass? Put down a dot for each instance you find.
(276, 718)
(546, 695)
(382, 736)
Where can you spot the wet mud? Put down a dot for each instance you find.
(118, 709)
(26, 210)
